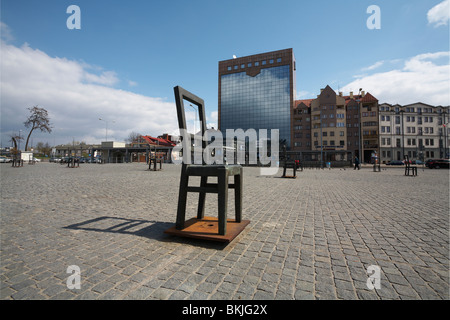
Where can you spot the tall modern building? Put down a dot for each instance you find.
(258, 92)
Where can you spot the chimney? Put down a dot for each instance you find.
(351, 94)
(363, 93)
(340, 93)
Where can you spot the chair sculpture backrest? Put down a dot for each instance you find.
(407, 163)
(181, 95)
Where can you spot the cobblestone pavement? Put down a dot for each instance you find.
(313, 237)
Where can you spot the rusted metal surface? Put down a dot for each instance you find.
(207, 229)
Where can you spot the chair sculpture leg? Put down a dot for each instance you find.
(182, 198)
(222, 181)
(238, 179)
(201, 198)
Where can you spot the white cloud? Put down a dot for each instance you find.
(75, 98)
(374, 66)
(303, 94)
(439, 15)
(5, 32)
(107, 78)
(424, 78)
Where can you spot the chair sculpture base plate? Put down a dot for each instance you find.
(207, 229)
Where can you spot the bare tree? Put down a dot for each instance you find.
(38, 119)
(133, 136)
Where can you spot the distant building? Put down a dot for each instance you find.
(257, 92)
(418, 130)
(332, 124)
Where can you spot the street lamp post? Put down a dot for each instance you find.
(361, 142)
(403, 134)
(106, 130)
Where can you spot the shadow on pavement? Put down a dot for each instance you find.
(139, 227)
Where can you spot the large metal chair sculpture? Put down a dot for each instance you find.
(206, 227)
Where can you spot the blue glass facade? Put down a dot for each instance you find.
(257, 102)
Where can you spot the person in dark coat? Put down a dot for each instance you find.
(356, 163)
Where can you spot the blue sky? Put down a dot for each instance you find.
(132, 50)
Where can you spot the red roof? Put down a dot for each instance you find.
(158, 141)
(367, 98)
(307, 102)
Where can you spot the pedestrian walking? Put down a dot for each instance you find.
(356, 163)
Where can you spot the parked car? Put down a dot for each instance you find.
(395, 163)
(427, 163)
(439, 163)
(417, 162)
(64, 160)
(5, 159)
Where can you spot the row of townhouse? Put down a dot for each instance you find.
(332, 127)
(418, 130)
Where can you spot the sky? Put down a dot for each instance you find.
(122, 63)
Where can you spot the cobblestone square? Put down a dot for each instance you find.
(313, 237)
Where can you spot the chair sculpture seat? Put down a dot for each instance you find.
(410, 170)
(206, 227)
(222, 172)
(154, 162)
(290, 164)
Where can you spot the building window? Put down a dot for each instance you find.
(271, 61)
(229, 68)
(279, 60)
(257, 64)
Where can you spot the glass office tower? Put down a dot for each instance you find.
(257, 92)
